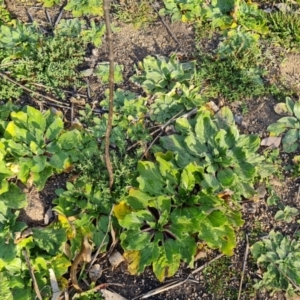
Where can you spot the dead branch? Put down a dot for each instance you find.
(106, 5)
(244, 266)
(35, 285)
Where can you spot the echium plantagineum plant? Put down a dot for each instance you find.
(180, 198)
(33, 146)
(229, 159)
(168, 214)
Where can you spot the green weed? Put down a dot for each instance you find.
(137, 12)
(285, 28)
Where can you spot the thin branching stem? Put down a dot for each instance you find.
(106, 4)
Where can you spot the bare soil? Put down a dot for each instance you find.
(132, 45)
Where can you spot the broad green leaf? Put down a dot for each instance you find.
(187, 180)
(40, 178)
(7, 251)
(150, 180)
(35, 120)
(5, 288)
(136, 220)
(288, 148)
(137, 199)
(14, 198)
(257, 249)
(25, 166)
(54, 129)
(60, 264)
(297, 110)
(210, 182)
(39, 163)
(169, 173)
(194, 146)
(70, 140)
(49, 239)
(222, 238)
(290, 105)
(226, 177)
(175, 143)
(20, 118)
(250, 142)
(187, 249)
(291, 136)
(277, 128)
(216, 218)
(57, 161)
(246, 171)
(134, 240)
(289, 122)
(167, 264)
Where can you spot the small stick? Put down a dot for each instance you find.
(102, 242)
(244, 266)
(35, 285)
(167, 27)
(59, 16)
(48, 17)
(106, 4)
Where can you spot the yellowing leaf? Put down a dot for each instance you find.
(233, 25)
(121, 210)
(184, 19)
(133, 260)
(68, 226)
(10, 130)
(15, 168)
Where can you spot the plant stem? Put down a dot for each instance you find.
(106, 4)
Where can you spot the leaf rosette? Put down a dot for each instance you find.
(34, 146)
(166, 217)
(229, 160)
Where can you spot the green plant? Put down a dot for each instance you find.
(287, 215)
(285, 27)
(290, 125)
(44, 62)
(278, 258)
(4, 13)
(85, 7)
(128, 120)
(34, 146)
(138, 13)
(102, 71)
(161, 74)
(220, 14)
(235, 70)
(169, 213)
(229, 159)
(218, 276)
(180, 98)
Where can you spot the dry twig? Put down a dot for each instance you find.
(244, 266)
(106, 4)
(102, 242)
(35, 285)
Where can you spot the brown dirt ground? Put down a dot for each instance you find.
(132, 45)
